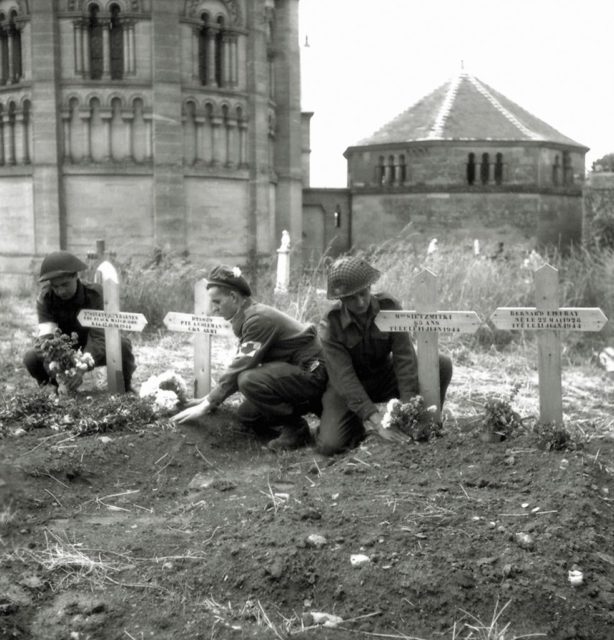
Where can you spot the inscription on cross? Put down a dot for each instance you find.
(112, 320)
(426, 323)
(203, 326)
(548, 319)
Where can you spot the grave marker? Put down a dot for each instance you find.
(426, 323)
(112, 320)
(203, 326)
(548, 319)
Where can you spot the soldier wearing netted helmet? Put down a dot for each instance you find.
(366, 366)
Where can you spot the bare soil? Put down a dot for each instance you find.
(201, 532)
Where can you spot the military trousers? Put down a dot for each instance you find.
(279, 393)
(341, 429)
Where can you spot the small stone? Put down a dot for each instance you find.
(19, 432)
(316, 541)
(525, 541)
(167, 565)
(359, 559)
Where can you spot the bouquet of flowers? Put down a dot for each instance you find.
(412, 418)
(63, 358)
(166, 392)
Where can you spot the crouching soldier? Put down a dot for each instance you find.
(365, 365)
(278, 367)
(62, 297)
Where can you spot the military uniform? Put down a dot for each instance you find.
(278, 368)
(365, 365)
(55, 313)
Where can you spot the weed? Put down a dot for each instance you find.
(558, 437)
(500, 421)
(78, 415)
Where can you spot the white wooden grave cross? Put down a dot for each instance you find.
(549, 320)
(112, 320)
(204, 326)
(426, 323)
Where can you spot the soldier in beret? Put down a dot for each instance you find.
(365, 365)
(62, 297)
(278, 367)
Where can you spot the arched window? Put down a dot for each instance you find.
(485, 169)
(11, 69)
(4, 52)
(381, 170)
(499, 168)
(204, 34)
(219, 52)
(471, 168)
(15, 43)
(402, 169)
(556, 170)
(116, 44)
(95, 39)
(390, 175)
(567, 168)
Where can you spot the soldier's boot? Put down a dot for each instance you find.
(292, 436)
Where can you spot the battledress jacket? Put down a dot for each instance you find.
(358, 355)
(266, 335)
(52, 310)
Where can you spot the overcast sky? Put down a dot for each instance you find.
(367, 61)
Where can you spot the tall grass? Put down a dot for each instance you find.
(465, 282)
(155, 287)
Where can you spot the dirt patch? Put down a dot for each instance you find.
(201, 532)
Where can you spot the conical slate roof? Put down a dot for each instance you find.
(466, 109)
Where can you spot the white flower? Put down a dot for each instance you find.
(165, 401)
(166, 390)
(149, 387)
(53, 366)
(236, 272)
(390, 407)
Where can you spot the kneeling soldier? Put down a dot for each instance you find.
(61, 299)
(278, 367)
(365, 365)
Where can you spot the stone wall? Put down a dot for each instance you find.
(450, 217)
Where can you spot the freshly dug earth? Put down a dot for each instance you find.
(201, 532)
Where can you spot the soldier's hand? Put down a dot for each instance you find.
(373, 425)
(193, 402)
(192, 413)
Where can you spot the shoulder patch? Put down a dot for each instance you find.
(249, 349)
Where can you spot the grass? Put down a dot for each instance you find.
(475, 629)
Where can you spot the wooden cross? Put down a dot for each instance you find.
(426, 323)
(204, 326)
(549, 320)
(112, 320)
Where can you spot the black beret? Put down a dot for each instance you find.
(229, 277)
(60, 263)
(348, 276)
